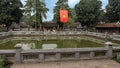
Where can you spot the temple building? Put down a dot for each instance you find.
(52, 25)
(108, 27)
(49, 25)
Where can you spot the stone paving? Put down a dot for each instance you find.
(104, 63)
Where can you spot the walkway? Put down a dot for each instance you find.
(71, 64)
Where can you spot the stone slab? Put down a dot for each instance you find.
(49, 46)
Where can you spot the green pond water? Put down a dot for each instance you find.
(61, 41)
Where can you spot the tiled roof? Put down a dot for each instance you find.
(108, 25)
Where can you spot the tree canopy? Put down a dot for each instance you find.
(36, 9)
(10, 11)
(88, 12)
(113, 11)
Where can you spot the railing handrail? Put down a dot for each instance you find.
(60, 50)
(21, 55)
(7, 51)
(64, 50)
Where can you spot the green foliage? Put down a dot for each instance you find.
(62, 5)
(113, 11)
(88, 12)
(72, 17)
(10, 11)
(3, 62)
(102, 17)
(116, 57)
(38, 8)
(28, 19)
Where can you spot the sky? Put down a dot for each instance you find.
(50, 4)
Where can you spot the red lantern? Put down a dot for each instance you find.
(64, 16)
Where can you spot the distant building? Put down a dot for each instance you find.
(49, 25)
(108, 27)
(18, 26)
(23, 25)
(2, 25)
(52, 25)
(76, 26)
(14, 26)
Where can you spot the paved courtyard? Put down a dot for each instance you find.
(71, 64)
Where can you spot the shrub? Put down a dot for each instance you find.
(4, 62)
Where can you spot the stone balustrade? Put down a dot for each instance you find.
(59, 54)
(46, 33)
(5, 34)
(59, 33)
(103, 35)
(42, 55)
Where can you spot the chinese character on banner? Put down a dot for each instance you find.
(64, 16)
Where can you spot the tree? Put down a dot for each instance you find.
(113, 11)
(61, 5)
(28, 20)
(36, 9)
(102, 16)
(10, 11)
(72, 18)
(88, 12)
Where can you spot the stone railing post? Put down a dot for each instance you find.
(41, 57)
(18, 57)
(92, 54)
(110, 49)
(113, 35)
(77, 55)
(58, 56)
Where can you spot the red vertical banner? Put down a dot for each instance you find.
(64, 16)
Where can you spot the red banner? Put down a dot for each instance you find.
(64, 16)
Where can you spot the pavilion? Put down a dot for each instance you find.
(108, 27)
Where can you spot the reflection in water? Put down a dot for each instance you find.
(49, 46)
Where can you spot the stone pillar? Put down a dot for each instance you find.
(77, 55)
(92, 54)
(113, 35)
(110, 49)
(18, 57)
(58, 56)
(41, 57)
